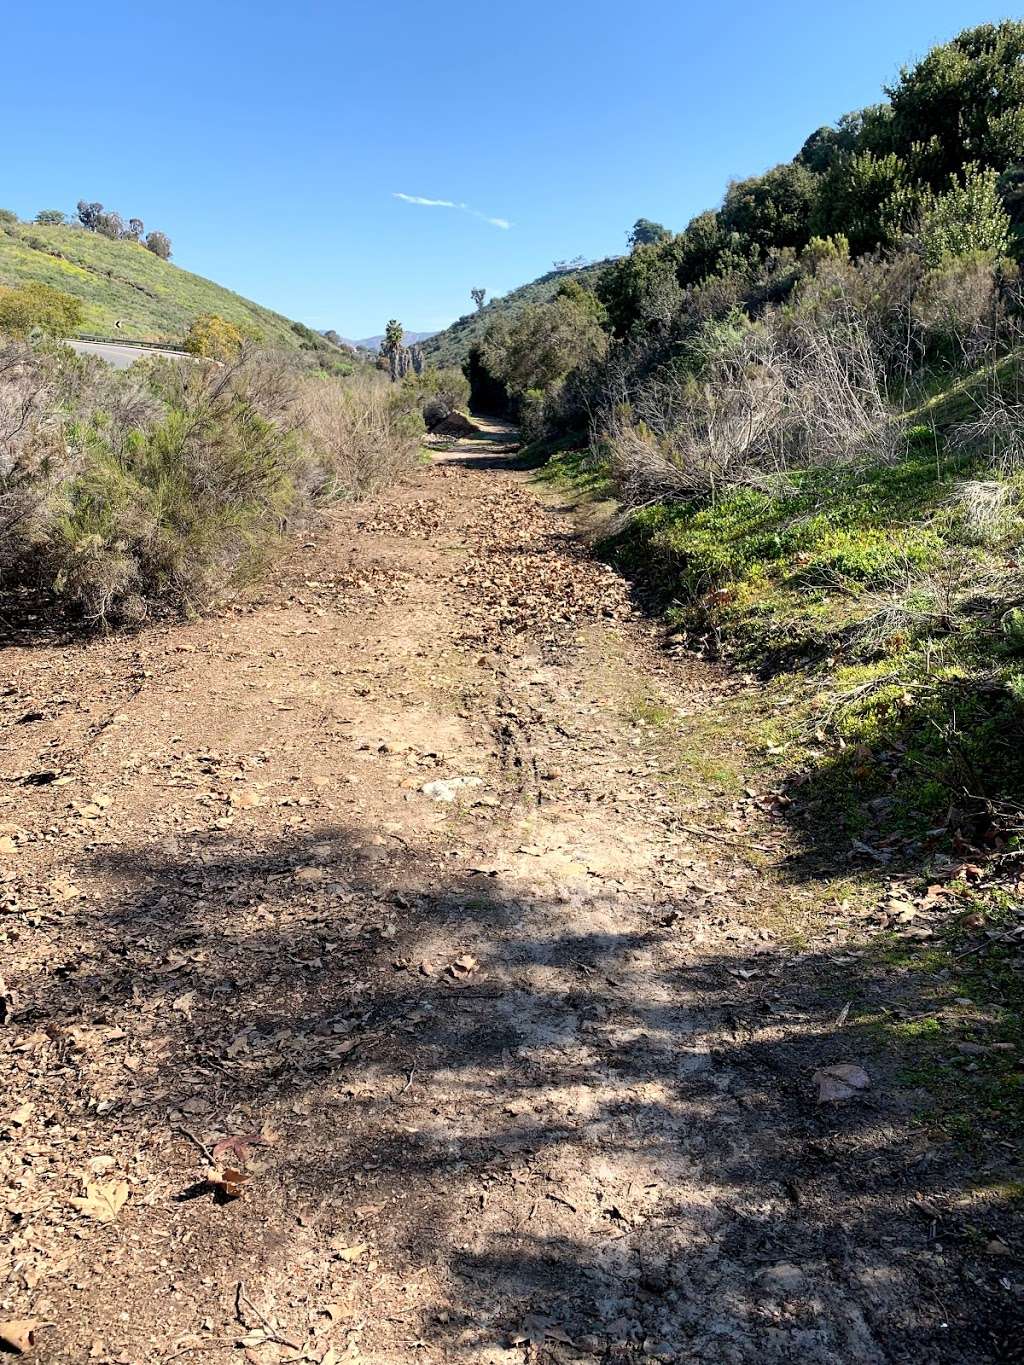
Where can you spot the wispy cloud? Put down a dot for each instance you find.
(430, 203)
(502, 223)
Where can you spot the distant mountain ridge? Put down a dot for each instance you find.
(374, 343)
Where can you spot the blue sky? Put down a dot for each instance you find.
(270, 140)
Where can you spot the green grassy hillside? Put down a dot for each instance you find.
(452, 346)
(153, 300)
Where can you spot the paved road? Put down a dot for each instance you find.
(120, 354)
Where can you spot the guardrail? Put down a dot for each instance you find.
(129, 341)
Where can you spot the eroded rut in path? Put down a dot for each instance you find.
(369, 903)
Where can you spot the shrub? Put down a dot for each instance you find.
(967, 218)
(1013, 629)
(7, 216)
(51, 217)
(33, 454)
(214, 338)
(29, 308)
(167, 485)
(438, 393)
(956, 311)
(190, 505)
(766, 399)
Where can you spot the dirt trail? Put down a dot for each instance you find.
(513, 1068)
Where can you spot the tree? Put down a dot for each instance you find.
(863, 130)
(584, 299)
(29, 308)
(641, 286)
(704, 249)
(773, 210)
(644, 232)
(51, 217)
(89, 213)
(478, 296)
(393, 337)
(133, 232)
(854, 199)
(544, 342)
(109, 224)
(8, 216)
(160, 245)
(963, 102)
(214, 338)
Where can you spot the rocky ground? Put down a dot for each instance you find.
(373, 990)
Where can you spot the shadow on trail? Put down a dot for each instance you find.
(575, 1139)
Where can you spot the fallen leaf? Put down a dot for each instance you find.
(840, 1082)
(20, 1116)
(19, 1336)
(103, 1200)
(227, 1181)
(353, 1253)
(238, 1146)
(464, 965)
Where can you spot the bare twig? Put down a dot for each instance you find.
(272, 1332)
(201, 1145)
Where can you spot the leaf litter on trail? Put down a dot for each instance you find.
(536, 1331)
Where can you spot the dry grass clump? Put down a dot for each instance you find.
(996, 432)
(985, 511)
(362, 435)
(786, 396)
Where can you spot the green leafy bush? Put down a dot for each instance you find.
(29, 308)
(968, 217)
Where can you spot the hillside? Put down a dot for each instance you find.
(120, 281)
(452, 346)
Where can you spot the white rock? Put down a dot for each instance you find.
(447, 788)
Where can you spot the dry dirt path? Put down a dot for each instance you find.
(373, 995)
